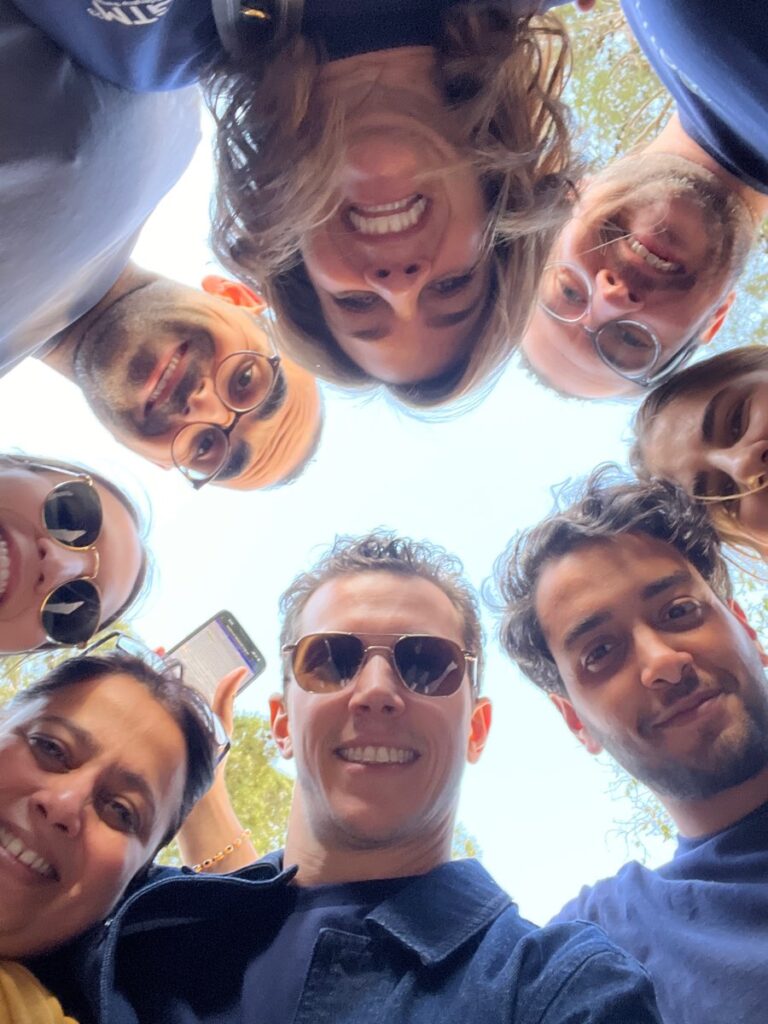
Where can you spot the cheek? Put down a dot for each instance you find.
(327, 268)
(23, 632)
(753, 515)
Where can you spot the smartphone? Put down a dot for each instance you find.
(215, 648)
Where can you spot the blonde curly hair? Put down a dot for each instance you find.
(279, 140)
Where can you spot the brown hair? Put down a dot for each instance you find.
(276, 132)
(605, 506)
(690, 383)
(384, 551)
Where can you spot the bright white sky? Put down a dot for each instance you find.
(536, 803)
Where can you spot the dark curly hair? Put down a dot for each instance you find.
(384, 551)
(606, 505)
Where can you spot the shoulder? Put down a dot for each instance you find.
(23, 997)
(593, 901)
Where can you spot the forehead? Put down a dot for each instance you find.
(605, 575)
(123, 721)
(381, 602)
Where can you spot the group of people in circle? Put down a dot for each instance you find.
(401, 205)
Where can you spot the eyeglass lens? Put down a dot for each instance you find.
(625, 345)
(325, 662)
(72, 514)
(72, 612)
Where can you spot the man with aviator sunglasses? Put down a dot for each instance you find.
(364, 916)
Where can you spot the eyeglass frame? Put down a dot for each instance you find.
(86, 479)
(642, 379)
(274, 362)
(470, 659)
(161, 664)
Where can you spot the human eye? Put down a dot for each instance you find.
(601, 655)
(241, 382)
(634, 338)
(204, 444)
(451, 285)
(736, 421)
(682, 613)
(50, 753)
(357, 302)
(118, 814)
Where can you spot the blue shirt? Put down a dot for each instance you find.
(448, 946)
(712, 55)
(148, 45)
(82, 165)
(699, 924)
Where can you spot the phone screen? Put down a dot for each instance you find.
(215, 649)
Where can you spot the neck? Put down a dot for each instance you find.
(323, 862)
(62, 357)
(674, 139)
(696, 818)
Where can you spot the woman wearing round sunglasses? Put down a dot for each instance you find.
(71, 558)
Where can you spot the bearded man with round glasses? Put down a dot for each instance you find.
(645, 270)
(363, 916)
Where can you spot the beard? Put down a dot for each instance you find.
(724, 758)
(637, 182)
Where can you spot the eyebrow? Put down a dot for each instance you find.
(653, 589)
(130, 779)
(451, 319)
(708, 419)
(239, 458)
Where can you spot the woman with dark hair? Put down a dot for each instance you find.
(100, 762)
(391, 175)
(71, 555)
(707, 429)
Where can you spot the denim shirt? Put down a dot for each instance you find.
(449, 947)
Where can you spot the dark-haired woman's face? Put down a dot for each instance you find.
(32, 563)
(91, 777)
(715, 444)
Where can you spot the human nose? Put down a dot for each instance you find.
(747, 464)
(59, 565)
(661, 664)
(399, 283)
(205, 406)
(61, 802)
(377, 688)
(613, 297)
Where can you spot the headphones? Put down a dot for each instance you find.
(250, 27)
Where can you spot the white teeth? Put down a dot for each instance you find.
(400, 205)
(652, 259)
(13, 845)
(5, 567)
(164, 377)
(387, 225)
(377, 755)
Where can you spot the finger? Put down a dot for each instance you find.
(224, 698)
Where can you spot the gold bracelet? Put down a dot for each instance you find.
(229, 848)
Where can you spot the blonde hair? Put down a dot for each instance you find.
(279, 142)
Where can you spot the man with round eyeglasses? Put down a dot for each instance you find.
(659, 237)
(364, 916)
(190, 380)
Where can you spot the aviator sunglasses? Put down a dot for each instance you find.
(427, 665)
(72, 516)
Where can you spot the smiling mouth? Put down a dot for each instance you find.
(653, 259)
(167, 381)
(5, 565)
(389, 218)
(26, 856)
(377, 755)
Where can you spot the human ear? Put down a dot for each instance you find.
(575, 724)
(715, 322)
(233, 292)
(741, 617)
(281, 730)
(479, 726)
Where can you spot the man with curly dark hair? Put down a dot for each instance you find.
(619, 607)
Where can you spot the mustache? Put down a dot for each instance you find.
(700, 683)
(159, 419)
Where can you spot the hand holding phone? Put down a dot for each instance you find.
(212, 652)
